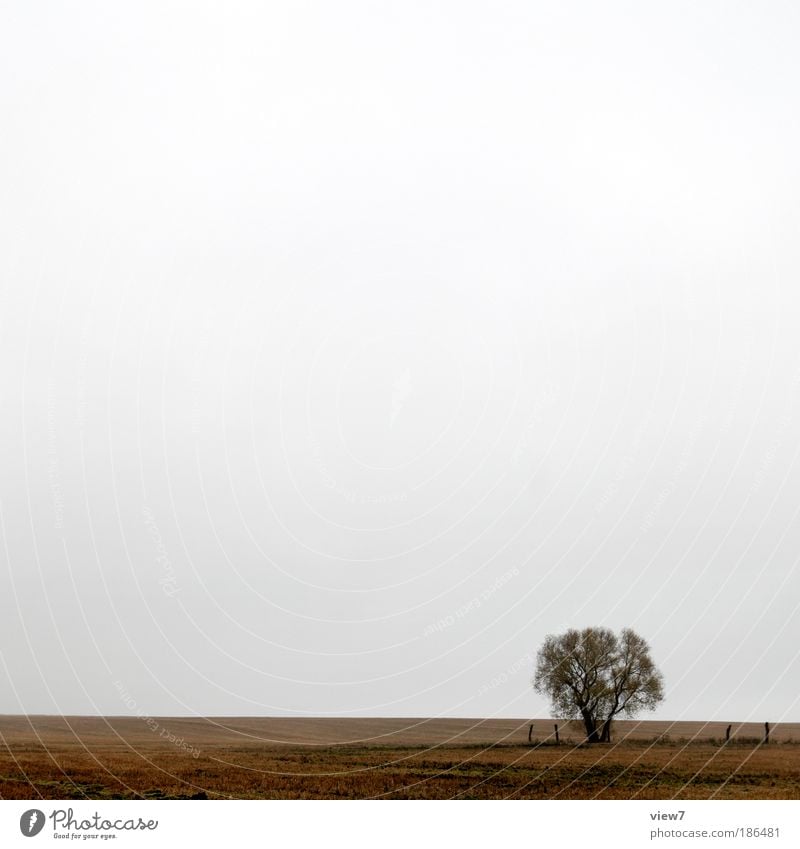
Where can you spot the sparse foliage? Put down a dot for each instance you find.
(594, 675)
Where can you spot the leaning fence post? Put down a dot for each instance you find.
(766, 732)
(556, 727)
(530, 732)
(728, 734)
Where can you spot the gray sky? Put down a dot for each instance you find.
(349, 349)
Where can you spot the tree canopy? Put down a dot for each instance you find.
(594, 675)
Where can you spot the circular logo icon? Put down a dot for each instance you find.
(31, 822)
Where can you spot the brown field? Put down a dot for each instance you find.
(45, 757)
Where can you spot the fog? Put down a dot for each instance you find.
(350, 349)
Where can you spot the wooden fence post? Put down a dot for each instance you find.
(728, 734)
(530, 732)
(556, 727)
(766, 732)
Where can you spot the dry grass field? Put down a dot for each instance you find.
(267, 758)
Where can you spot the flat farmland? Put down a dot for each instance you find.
(47, 757)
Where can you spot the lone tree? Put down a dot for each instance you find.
(594, 675)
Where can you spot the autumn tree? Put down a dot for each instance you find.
(595, 675)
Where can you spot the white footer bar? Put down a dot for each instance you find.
(390, 824)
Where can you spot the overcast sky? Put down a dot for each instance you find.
(348, 349)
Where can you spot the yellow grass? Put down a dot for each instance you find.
(100, 758)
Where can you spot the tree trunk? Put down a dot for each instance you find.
(591, 728)
(605, 736)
